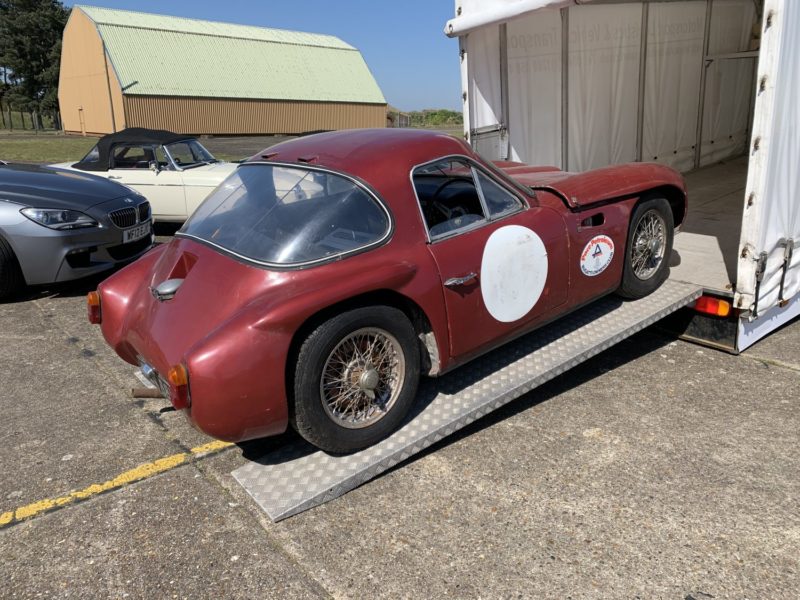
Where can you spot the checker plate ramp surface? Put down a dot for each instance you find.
(297, 477)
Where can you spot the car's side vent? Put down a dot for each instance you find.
(594, 221)
(124, 217)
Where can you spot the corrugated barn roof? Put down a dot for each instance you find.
(158, 55)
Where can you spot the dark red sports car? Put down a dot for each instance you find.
(319, 281)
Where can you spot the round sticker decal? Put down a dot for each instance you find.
(597, 255)
(513, 272)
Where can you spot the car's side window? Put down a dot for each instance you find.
(92, 156)
(498, 200)
(448, 196)
(132, 157)
(455, 195)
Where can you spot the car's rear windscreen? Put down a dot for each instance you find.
(288, 216)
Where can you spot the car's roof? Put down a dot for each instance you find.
(141, 135)
(131, 135)
(367, 153)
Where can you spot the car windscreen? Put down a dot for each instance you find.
(189, 153)
(288, 216)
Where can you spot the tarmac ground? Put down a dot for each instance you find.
(658, 469)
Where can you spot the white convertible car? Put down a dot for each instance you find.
(173, 171)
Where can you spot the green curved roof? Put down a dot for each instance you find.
(157, 55)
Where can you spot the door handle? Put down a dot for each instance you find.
(457, 281)
(114, 177)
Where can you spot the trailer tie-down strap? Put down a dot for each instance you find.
(788, 250)
(761, 267)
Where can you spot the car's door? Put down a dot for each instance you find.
(195, 194)
(200, 181)
(132, 165)
(197, 184)
(502, 262)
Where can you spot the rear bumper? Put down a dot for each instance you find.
(236, 363)
(234, 396)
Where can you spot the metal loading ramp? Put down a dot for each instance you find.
(298, 476)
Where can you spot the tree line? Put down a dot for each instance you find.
(30, 57)
(441, 117)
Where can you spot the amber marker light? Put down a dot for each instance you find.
(178, 379)
(93, 308)
(712, 306)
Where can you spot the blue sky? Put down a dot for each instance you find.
(414, 63)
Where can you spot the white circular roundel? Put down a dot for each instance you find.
(513, 272)
(597, 255)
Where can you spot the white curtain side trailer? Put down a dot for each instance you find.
(709, 87)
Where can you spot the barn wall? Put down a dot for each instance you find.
(86, 81)
(231, 116)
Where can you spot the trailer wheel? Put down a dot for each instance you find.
(649, 247)
(11, 281)
(356, 378)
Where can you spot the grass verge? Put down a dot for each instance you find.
(43, 148)
(47, 148)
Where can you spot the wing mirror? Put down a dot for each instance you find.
(154, 166)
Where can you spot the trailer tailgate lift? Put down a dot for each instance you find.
(297, 477)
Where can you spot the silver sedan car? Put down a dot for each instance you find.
(58, 225)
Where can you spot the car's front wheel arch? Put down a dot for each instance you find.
(12, 280)
(676, 198)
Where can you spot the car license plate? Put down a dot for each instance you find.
(135, 233)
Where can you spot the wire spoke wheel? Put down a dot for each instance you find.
(648, 245)
(650, 238)
(356, 378)
(362, 377)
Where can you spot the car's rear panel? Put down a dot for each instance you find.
(232, 365)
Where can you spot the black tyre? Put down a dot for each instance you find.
(649, 247)
(355, 378)
(11, 281)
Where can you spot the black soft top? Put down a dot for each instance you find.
(99, 161)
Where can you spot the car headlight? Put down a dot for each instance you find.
(56, 218)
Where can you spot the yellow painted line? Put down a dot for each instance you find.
(136, 474)
(210, 448)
